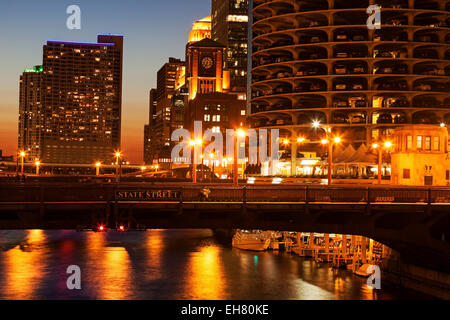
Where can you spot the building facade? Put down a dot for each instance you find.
(162, 123)
(230, 28)
(210, 99)
(421, 156)
(76, 114)
(31, 115)
(318, 61)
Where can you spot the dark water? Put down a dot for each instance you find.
(165, 264)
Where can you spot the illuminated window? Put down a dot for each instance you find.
(428, 143)
(409, 142)
(207, 117)
(419, 142)
(242, 112)
(436, 144)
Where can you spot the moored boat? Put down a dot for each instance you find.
(253, 240)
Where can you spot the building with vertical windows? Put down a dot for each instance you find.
(229, 21)
(208, 83)
(316, 60)
(420, 156)
(31, 115)
(162, 123)
(70, 108)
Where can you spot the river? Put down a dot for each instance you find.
(166, 264)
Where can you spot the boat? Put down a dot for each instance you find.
(362, 272)
(252, 240)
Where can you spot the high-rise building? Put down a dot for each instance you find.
(230, 27)
(148, 133)
(31, 115)
(75, 115)
(163, 123)
(208, 83)
(318, 61)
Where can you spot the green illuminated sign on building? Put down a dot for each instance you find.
(35, 69)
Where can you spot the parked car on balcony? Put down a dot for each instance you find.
(358, 37)
(340, 69)
(303, 87)
(422, 87)
(340, 86)
(357, 119)
(401, 102)
(341, 36)
(400, 119)
(316, 87)
(340, 118)
(342, 54)
(282, 59)
(384, 118)
(358, 86)
(360, 102)
(340, 104)
(359, 68)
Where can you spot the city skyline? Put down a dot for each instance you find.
(35, 24)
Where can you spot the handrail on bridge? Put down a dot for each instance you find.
(207, 193)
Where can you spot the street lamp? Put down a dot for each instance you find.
(330, 142)
(386, 145)
(212, 156)
(194, 143)
(239, 133)
(97, 168)
(37, 163)
(22, 155)
(118, 155)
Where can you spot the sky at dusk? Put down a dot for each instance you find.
(153, 30)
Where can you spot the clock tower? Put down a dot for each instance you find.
(204, 67)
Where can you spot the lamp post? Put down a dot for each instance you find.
(379, 148)
(238, 133)
(37, 163)
(212, 156)
(118, 154)
(97, 168)
(330, 142)
(193, 143)
(22, 155)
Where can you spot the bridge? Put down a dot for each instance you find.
(415, 221)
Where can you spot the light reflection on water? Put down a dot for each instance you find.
(164, 264)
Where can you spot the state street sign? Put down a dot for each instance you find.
(147, 195)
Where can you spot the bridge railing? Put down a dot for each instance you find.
(221, 193)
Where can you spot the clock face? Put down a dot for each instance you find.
(207, 62)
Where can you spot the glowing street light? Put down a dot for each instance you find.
(37, 163)
(239, 133)
(442, 125)
(97, 168)
(316, 124)
(386, 145)
(118, 154)
(330, 142)
(22, 156)
(300, 139)
(193, 143)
